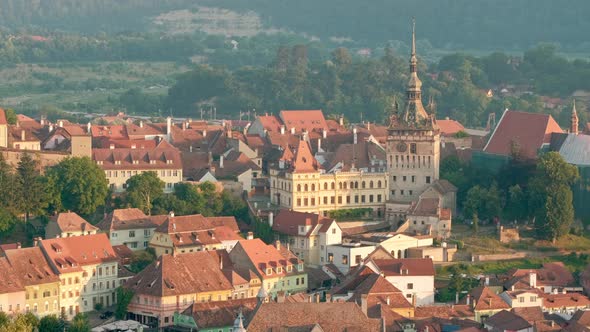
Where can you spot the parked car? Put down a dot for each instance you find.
(107, 315)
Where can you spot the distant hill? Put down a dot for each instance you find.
(451, 24)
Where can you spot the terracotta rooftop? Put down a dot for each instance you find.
(565, 300)
(485, 299)
(10, 281)
(70, 253)
(72, 222)
(405, 267)
(188, 273)
(30, 266)
(123, 219)
(507, 321)
(288, 222)
(195, 222)
(304, 120)
(449, 127)
(116, 132)
(365, 154)
(210, 315)
(164, 156)
(270, 122)
(330, 317)
(304, 161)
(3, 117)
(527, 131)
(445, 311)
(264, 256)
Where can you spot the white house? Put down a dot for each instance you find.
(348, 255)
(413, 276)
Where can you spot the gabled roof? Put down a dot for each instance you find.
(449, 127)
(506, 320)
(195, 222)
(70, 253)
(72, 222)
(288, 222)
(131, 218)
(188, 273)
(485, 299)
(565, 300)
(10, 281)
(304, 161)
(405, 267)
(3, 117)
(163, 156)
(528, 131)
(574, 149)
(360, 154)
(332, 317)
(303, 120)
(264, 256)
(270, 122)
(210, 315)
(30, 266)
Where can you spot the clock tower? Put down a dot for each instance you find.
(413, 142)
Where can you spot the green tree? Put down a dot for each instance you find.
(4, 319)
(51, 323)
(141, 259)
(10, 116)
(124, 297)
(31, 186)
(80, 184)
(475, 223)
(551, 196)
(143, 189)
(516, 204)
(79, 323)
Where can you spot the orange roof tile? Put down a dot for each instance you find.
(449, 127)
(30, 266)
(304, 120)
(2, 117)
(304, 161)
(406, 266)
(72, 222)
(265, 256)
(68, 254)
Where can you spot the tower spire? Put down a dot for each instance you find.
(575, 120)
(413, 58)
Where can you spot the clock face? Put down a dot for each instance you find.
(402, 147)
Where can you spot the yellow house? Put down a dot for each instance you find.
(174, 282)
(40, 282)
(3, 130)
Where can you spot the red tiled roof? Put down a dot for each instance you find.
(444, 311)
(449, 127)
(211, 315)
(131, 218)
(406, 266)
(264, 256)
(30, 266)
(10, 281)
(3, 117)
(72, 222)
(304, 161)
(68, 254)
(164, 156)
(76, 130)
(485, 299)
(529, 131)
(304, 120)
(565, 300)
(330, 317)
(270, 122)
(288, 222)
(112, 132)
(188, 273)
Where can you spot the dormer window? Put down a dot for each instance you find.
(268, 271)
(152, 162)
(99, 162)
(117, 162)
(135, 162)
(169, 161)
(289, 268)
(279, 269)
(300, 267)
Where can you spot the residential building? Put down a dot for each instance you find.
(346, 256)
(23, 139)
(87, 267)
(12, 292)
(299, 182)
(129, 227)
(180, 234)
(413, 143)
(172, 283)
(523, 298)
(119, 164)
(328, 317)
(426, 217)
(40, 282)
(552, 277)
(397, 244)
(485, 303)
(565, 305)
(414, 277)
(3, 129)
(307, 234)
(76, 140)
(277, 267)
(68, 224)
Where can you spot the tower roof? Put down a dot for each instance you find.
(414, 116)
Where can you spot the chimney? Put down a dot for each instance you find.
(324, 133)
(282, 129)
(22, 135)
(209, 158)
(168, 126)
(341, 120)
(487, 281)
(456, 297)
(140, 123)
(388, 300)
(368, 125)
(328, 297)
(250, 236)
(88, 127)
(221, 161)
(112, 146)
(18, 245)
(270, 218)
(190, 148)
(278, 244)
(317, 297)
(533, 279)
(50, 127)
(467, 300)
(364, 303)
(60, 123)
(171, 214)
(319, 144)
(42, 120)
(184, 125)
(204, 132)
(220, 262)
(292, 130)
(354, 137)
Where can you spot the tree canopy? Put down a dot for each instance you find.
(143, 189)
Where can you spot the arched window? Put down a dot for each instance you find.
(306, 187)
(313, 187)
(339, 185)
(363, 184)
(298, 187)
(379, 184)
(325, 185)
(274, 183)
(399, 254)
(345, 185)
(333, 185)
(371, 184)
(351, 185)
(356, 184)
